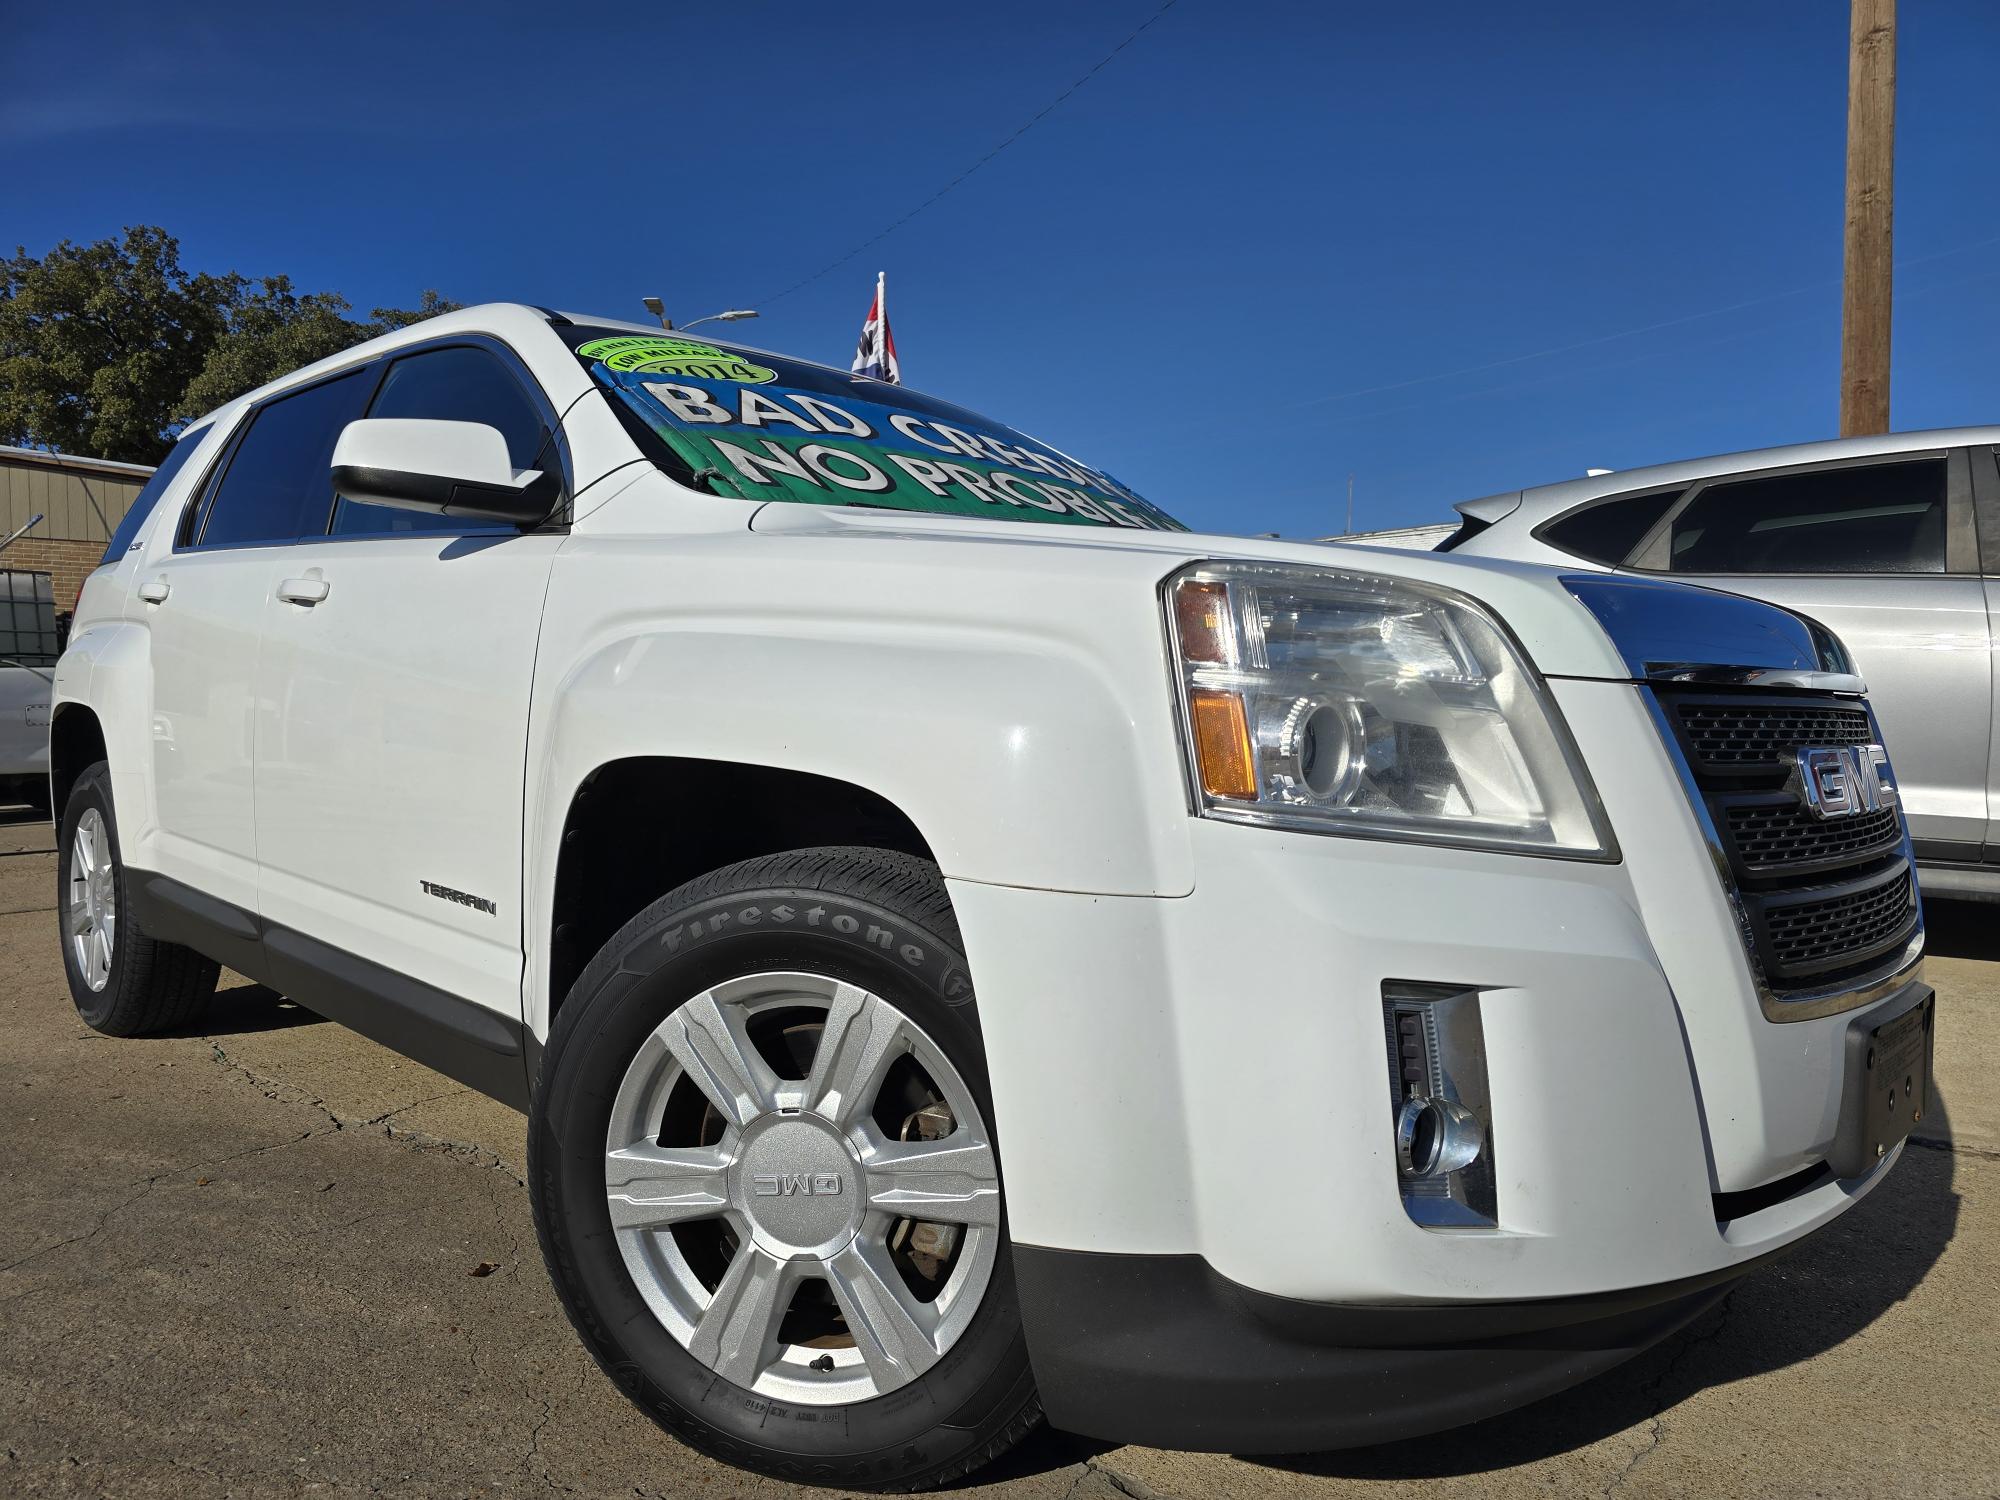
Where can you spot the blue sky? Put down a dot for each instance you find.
(1267, 246)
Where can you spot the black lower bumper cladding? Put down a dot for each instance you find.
(1162, 1350)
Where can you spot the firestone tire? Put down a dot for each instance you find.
(862, 922)
(124, 982)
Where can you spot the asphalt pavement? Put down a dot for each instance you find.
(273, 1258)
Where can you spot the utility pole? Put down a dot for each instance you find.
(1871, 178)
(1350, 507)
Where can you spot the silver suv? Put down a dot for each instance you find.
(1892, 542)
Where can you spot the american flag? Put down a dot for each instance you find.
(875, 355)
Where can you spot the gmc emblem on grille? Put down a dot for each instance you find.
(1842, 781)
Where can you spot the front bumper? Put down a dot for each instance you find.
(1162, 1350)
(1193, 1105)
(1207, 1074)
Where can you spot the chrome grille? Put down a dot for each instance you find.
(1823, 899)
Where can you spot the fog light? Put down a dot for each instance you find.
(1440, 1115)
(1435, 1137)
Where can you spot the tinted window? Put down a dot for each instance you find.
(1606, 531)
(450, 385)
(277, 486)
(1880, 518)
(148, 497)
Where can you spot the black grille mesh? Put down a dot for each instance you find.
(1823, 898)
(1813, 934)
(1774, 837)
(1758, 734)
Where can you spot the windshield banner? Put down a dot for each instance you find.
(765, 428)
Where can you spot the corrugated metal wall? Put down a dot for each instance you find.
(64, 495)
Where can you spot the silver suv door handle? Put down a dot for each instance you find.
(302, 590)
(154, 592)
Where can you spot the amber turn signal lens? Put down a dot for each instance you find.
(1222, 745)
(1201, 611)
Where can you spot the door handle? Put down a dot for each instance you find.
(155, 591)
(306, 591)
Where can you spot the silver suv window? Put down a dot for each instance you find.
(1875, 518)
(1606, 531)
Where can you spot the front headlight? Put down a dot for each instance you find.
(1340, 703)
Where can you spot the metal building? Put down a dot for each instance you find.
(79, 500)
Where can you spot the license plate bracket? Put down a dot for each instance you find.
(1888, 1080)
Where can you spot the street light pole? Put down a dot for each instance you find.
(734, 315)
(658, 309)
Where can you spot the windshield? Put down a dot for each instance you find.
(762, 427)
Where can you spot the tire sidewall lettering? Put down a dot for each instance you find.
(881, 932)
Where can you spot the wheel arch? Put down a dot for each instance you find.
(76, 742)
(701, 815)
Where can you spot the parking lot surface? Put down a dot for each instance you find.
(274, 1258)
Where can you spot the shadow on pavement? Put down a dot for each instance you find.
(244, 1008)
(1961, 929)
(1827, 1290)
(21, 812)
(1043, 1451)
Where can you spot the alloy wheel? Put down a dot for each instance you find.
(90, 903)
(803, 1188)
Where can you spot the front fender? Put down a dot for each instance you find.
(106, 669)
(1020, 765)
(1040, 755)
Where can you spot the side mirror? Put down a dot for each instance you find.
(451, 468)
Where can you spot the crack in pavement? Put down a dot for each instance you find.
(283, 1092)
(1656, 1433)
(145, 1185)
(1656, 1388)
(1121, 1483)
(76, 1239)
(1954, 1148)
(535, 1444)
(279, 1091)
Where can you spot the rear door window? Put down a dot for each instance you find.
(278, 485)
(457, 384)
(1874, 518)
(1607, 531)
(149, 495)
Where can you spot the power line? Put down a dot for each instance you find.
(1625, 333)
(1644, 356)
(1033, 121)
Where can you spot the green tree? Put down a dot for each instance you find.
(273, 330)
(388, 319)
(106, 349)
(98, 341)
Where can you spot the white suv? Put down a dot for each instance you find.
(1405, 984)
